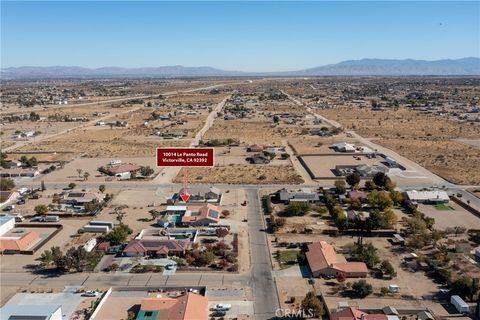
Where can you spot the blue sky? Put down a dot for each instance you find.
(247, 36)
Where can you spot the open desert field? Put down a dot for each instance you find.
(251, 132)
(103, 142)
(242, 174)
(426, 139)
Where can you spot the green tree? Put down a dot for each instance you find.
(340, 186)
(205, 258)
(155, 214)
(378, 199)
(353, 179)
(86, 175)
(101, 188)
(312, 305)
(297, 209)
(390, 217)
(362, 288)
(72, 185)
(396, 197)
(146, 171)
(465, 287)
(119, 234)
(387, 268)
(6, 184)
(370, 185)
(380, 179)
(41, 209)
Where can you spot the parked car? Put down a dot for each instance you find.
(222, 307)
(90, 293)
(170, 266)
(19, 218)
(21, 201)
(9, 207)
(219, 314)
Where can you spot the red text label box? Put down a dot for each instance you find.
(185, 157)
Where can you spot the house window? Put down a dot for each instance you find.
(148, 313)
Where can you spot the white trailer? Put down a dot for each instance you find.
(459, 304)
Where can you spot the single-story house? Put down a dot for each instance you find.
(18, 243)
(355, 215)
(202, 194)
(351, 313)
(360, 195)
(7, 223)
(31, 311)
(81, 197)
(259, 158)
(157, 248)
(436, 196)
(190, 306)
(123, 170)
(323, 261)
(369, 171)
(255, 148)
(7, 197)
(202, 216)
(305, 195)
(343, 147)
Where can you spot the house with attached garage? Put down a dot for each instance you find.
(202, 194)
(304, 195)
(202, 216)
(431, 197)
(323, 261)
(155, 248)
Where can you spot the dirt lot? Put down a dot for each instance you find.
(426, 139)
(238, 174)
(69, 172)
(451, 218)
(251, 132)
(322, 166)
(104, 142)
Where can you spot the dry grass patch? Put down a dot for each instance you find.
(239, 174)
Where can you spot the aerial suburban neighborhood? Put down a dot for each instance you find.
(349, 191)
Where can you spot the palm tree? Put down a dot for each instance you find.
(79, 172)
(86, 175)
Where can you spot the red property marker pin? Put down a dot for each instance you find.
(185, 196)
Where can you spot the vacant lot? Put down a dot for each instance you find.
(238, 174)
(426, 139)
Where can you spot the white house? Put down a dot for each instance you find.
(7, 223)
(37, 311)
(435, 196)
(343, 147)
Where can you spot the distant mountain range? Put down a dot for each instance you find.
(365, 67)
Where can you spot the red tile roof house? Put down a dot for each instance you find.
(202, 216)
(362, 196)
(355, 314)
(190, 306)
(155, 248)
(322, 260)
(123, 170)
(255, 148)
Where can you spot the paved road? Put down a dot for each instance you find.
(263, 285)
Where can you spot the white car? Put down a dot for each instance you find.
(91, 293)
(223, 307)
(169, 266)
